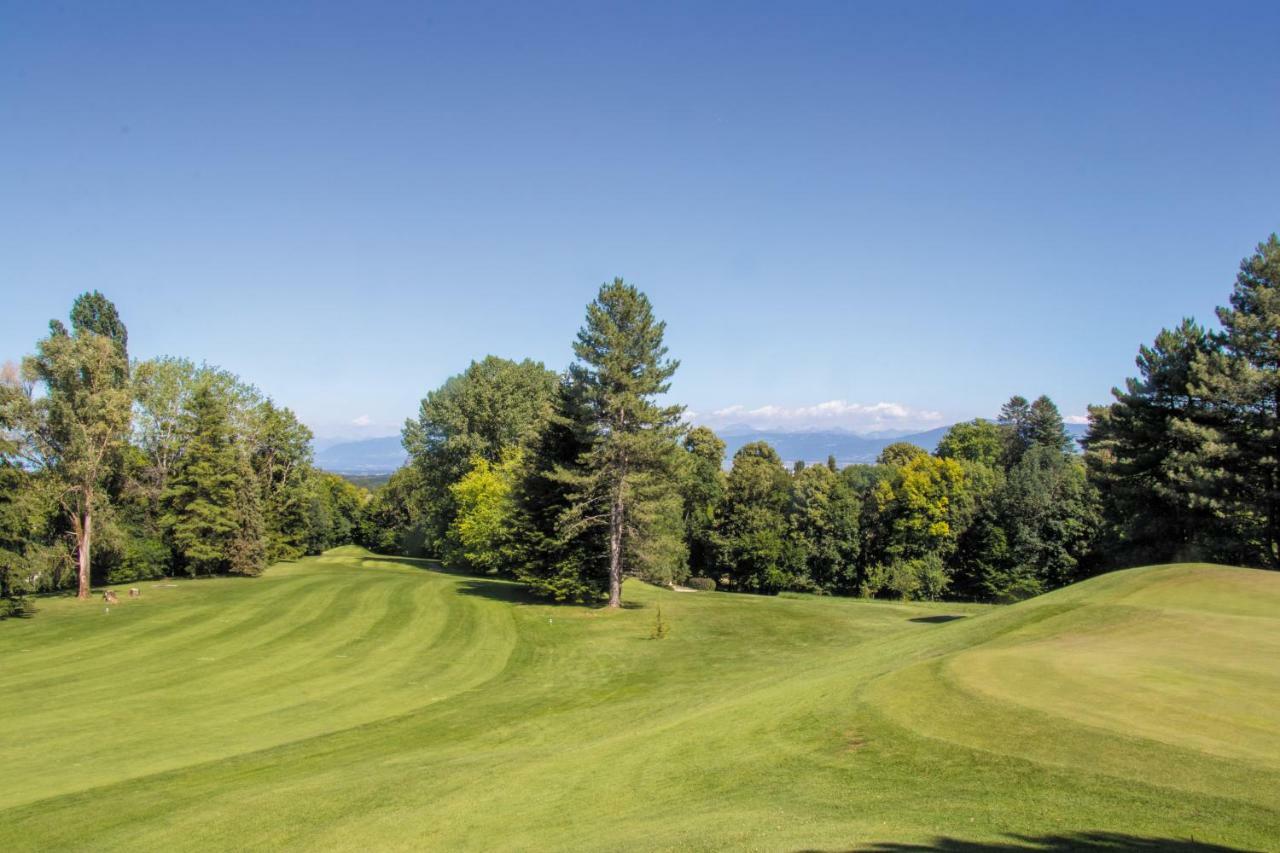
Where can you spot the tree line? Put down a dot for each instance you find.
(572, 481)
(114, 470)
(508, 476)
(567, 481)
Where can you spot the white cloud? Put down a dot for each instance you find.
(1076, 419)
(831, 413)
(362, 421)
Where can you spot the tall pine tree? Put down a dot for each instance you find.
(1142, 452)
(622, 368)
(1237, 467)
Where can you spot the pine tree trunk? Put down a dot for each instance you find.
(615, 551)
(85, 539)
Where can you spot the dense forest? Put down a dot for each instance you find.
(112, 470)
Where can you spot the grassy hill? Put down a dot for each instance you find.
(353, 701)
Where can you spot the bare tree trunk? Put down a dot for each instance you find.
(615, 551)
(84, 537)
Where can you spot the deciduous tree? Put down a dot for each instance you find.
(702, 488)
(754, 551)
(494, 405)
(77, 427)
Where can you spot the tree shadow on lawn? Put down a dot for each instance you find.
(1084, 842)
(935, 620)
(514, 592)
(498, 589)
(429, 564)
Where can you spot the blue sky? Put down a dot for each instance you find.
(870, 215)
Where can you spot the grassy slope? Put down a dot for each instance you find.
(358, 702)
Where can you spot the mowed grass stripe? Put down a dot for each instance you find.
(165, 618)
(203, 652)
(211, 646)
(284, 672)
(488, 720)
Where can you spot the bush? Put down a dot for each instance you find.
(704, 584)
(16, 608)
(1019, 590)
(876, 578)
(142, 558)
(922, 579)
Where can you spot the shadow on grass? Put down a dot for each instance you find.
(935, 620)
(427, 563)
(514, 592)
(1085, 842)
(498, 589)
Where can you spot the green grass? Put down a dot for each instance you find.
(358, 702)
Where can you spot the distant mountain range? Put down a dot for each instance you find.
(384, 455)
(849, 448)
(815, 446)
(366, 456)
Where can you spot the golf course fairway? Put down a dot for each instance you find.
(351, 701)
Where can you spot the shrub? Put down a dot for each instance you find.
(16, 608)
(1020, 590)
(704, 584)
(923, 578)
(142, 558)
(877, 577)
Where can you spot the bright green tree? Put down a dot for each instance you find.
(486, 512)
(924, 508)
